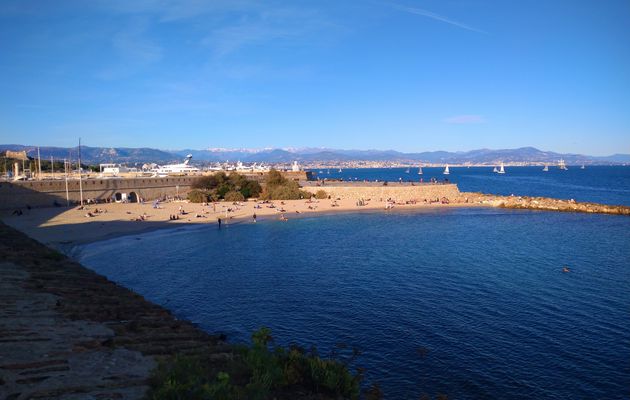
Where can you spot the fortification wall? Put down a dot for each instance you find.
(395, 191)
(50, 193)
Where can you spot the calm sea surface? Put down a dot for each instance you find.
(467, 302)
(608, 185)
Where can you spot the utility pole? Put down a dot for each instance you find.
(65, 167)
(80, 174)
(39, 167)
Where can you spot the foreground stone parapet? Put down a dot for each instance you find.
(67, 332)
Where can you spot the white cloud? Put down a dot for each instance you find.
(437, 17)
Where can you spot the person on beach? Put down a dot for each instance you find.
(254, 217)
(219, 222)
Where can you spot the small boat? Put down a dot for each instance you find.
(546, 169)
(446, 171)
(582, 167)
(419, 170)
(407, 171)
(340, 170)
(495, 170)
(501, 170)
(328, 172)
(562, 165)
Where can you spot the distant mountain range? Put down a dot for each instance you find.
(95, 155)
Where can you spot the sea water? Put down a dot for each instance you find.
(600, 184)
(472, 303)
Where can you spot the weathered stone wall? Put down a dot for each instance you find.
(395, 191)
(49, 193)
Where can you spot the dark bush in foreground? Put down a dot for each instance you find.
(257, 372)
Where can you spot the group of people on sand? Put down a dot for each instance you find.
(140, 218)
(91, 214)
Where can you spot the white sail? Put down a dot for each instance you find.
(419, 170)
(446, 171)
(562, 165)
(546, 168)
(501, 169)
(495, 169)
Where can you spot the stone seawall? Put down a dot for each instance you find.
(69, 333)
(395, 191)
(49, 193)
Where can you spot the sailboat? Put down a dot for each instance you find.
(407, 171)
(546, 168)
(562, 165)
(340, 170)
(446, 171)
(419, 170)
(501, 170)
(495, 170)
(582, 167)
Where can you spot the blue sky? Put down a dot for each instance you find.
(407, 75)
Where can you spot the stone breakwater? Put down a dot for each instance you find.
(545, 203)
(67, 332)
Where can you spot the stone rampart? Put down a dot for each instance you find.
(49, 193)
(395, 191)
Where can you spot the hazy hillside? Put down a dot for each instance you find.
(97, 155)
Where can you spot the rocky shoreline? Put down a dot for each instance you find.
(67, 332)
(546, 204)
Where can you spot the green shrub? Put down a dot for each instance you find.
(234, 196)
(197, 196)
(217, 186)
(321, 194)
(278, 187)
(259, 371)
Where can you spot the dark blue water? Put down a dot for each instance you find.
(600, 184)
(480, 290)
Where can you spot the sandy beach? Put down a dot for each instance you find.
(63, 227)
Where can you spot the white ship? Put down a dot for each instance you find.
(177, 169)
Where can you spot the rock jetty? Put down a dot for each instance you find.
(545, 203)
